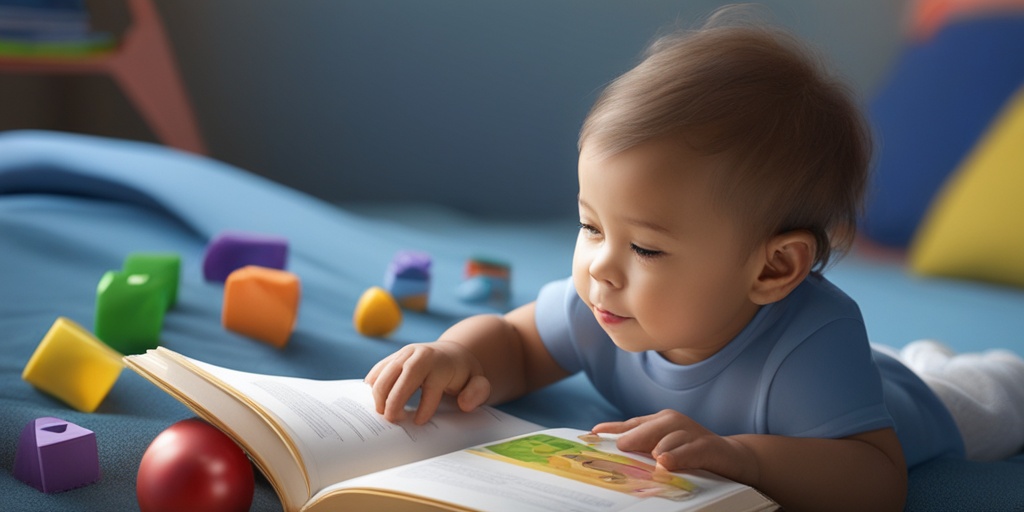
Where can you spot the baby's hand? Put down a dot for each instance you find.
(678, 442)
(437, 369)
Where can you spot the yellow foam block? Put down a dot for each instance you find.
(262, 303)
(377, 313)
(974, 229)
(73, 365)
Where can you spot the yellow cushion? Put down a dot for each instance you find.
(975, 227)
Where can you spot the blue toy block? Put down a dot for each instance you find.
(485, 289)
(55, 455)
(487, 281)
(408, 279)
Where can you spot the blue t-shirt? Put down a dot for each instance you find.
(802, 367)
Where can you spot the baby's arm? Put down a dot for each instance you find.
(482, 359)
(861, 472)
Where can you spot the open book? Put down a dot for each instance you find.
(322, 446)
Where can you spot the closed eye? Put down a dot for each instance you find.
(645, 253)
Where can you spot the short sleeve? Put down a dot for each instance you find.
(555, 308)
(828, 386)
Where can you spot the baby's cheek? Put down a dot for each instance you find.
(581, 281)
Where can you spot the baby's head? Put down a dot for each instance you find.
(791, 147)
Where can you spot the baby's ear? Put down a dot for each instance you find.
(787, 261)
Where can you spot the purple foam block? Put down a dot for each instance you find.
(55, 455)
(230, 251)
(412, 265)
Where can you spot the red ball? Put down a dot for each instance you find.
(193, 466)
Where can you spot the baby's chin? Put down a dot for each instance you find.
(628, 343)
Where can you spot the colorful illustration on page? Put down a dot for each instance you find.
(587, 464)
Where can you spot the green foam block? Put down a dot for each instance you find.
(163, 267)
(130, 311)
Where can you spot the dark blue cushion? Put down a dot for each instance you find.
(942, 95)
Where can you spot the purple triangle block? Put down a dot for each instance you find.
(55, 455)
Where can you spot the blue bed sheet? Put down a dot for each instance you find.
(72, 207)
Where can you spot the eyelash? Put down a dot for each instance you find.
(645, 253)
(639, 251)
(589, 229)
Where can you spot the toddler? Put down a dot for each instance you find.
(717, 180)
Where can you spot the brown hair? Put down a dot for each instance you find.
(795, 146)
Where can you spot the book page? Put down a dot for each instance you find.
(339, 434)
(210, 399)
(557, 470)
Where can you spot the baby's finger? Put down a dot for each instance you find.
(475, 394)
(642, 434)
(672, 450)
(415, 371)
(430, 400)
(396, 358)
(371, 376)
(434, 379)
(620, 427)
(384, 384)
(611, 427)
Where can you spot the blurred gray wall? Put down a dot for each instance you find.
(473, 104)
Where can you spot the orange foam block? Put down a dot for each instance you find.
(262, 303)
(73, 365)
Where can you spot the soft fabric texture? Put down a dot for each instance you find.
(802, 367)
(72, 207)
(975, 227)
(984, 391)
(943, 93)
